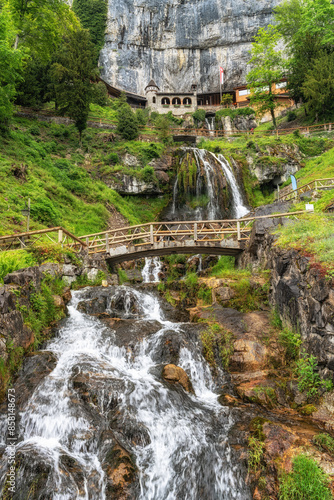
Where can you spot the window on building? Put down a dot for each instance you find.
(281, 85)
(165, 101)
(244, 92)
(176, 101)
(187, 101)
(153, 100)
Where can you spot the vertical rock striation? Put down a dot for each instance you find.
(180, 42)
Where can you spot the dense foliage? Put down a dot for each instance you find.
(267, 69)
(306, 27)
(93, 17)
(72, 73)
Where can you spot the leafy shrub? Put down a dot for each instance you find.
(122, 276)
(12, 260)
(205, 294)
(163, 126)
(112, 159)
(44, 211)
(291, 342)
(99, 94)
(325, 442)
(226, 99)
(142, 117)
(83, 280)
(34, 130)
(308, 378)
(199, 116)
(306, 481)
(50, 252)
(148, 174)
(127, 123)
(191, 280)
(255, 453)
(292, 115)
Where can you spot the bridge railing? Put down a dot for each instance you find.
(290, 194)
(56, 235)
(151, 233)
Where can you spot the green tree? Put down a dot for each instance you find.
(11, 64)
(162, 124)
(41, 24)
(93, 16)
(33, 89)
(142, 117)
(72, 74)
(100, 94)
(267, 64)
(318, 86)
(307, 30)
(127, 123)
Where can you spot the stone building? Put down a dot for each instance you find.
(163, 102)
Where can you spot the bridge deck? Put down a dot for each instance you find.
(216, 237)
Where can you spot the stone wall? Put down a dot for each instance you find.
(300, 291)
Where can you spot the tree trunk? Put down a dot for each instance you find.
(273, 117)
(16, 43)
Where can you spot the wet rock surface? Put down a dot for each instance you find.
(88, 405)
(299, 291)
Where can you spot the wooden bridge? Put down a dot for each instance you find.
(217, 237)
(287, 194)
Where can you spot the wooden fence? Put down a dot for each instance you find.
(287, 194)
(56, 235)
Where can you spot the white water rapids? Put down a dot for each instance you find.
(187, 456)
(151, 270)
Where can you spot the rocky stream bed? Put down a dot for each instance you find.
(121, 404)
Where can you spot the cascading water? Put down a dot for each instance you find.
(179, 440)
(212, 172)
(151, 270)
(210, 123)
(240, 210)
(200, 155)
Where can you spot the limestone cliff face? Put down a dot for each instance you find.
(180, 42)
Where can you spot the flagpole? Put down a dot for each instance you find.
(220, 87)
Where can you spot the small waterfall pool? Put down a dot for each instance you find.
(107, 391)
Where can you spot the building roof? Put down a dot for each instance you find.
(152, 84)
(115, 92)
(176, 94)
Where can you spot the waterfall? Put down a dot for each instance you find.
(200, 155)
(210, 123)
(174, 196)
(179, 440)
(239, 207)
(151, 270)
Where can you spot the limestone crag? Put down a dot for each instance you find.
(179, 42)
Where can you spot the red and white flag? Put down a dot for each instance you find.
(221, 73)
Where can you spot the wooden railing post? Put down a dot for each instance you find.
(195, 231)
(60, 236)
(107, 243)
(151, 234)
(238, 230)
(87, 242)
(316, 185)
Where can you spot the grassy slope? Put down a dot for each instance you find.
(317, 162)
(62, 179)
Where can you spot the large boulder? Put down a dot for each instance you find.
(176, 375)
